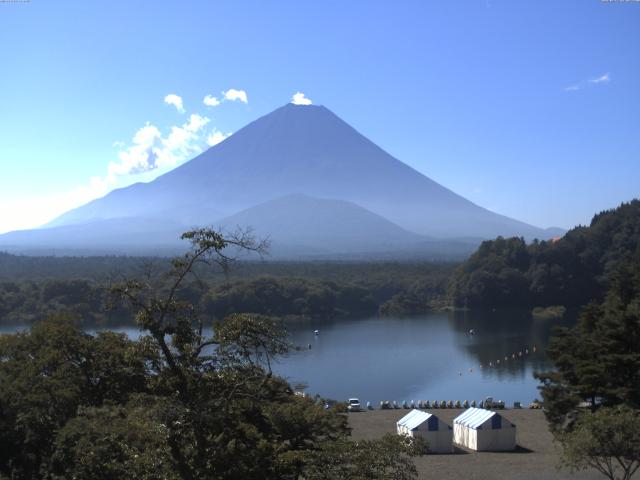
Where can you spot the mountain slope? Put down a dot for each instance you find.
(305, 224)
(301, 149)
(298, 226)
(143, 236)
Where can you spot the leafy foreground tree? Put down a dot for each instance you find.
(598, 366)
(47, 374)
(390, 457)
(598, 360)
(174, 404)
(607, 440)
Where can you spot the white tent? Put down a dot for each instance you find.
(480, 429)
(426, 425)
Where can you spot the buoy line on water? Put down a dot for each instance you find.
(386, 404)
(450, 404)
(494, 364)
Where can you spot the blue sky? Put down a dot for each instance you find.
(531, 109)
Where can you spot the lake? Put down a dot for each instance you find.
(427, 357)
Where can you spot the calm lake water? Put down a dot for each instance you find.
(422, 358)
(428, 357)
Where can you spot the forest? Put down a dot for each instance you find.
(32, 288)
(505, 272)
(571, 271)
(177, 403)
(106, 406)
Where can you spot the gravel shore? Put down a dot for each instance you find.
(537, 456)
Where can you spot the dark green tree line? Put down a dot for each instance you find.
(175, 403)
(592, 398)
(571, 271)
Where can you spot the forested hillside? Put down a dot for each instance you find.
(570, 271)
(44, 286)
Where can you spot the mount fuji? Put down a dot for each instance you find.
(299, 175)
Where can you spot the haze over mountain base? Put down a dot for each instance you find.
(300, 176)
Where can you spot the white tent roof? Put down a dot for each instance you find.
(414, 418)
(474, 417)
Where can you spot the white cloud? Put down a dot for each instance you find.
(216, 137)
(139, 156)
(175, 100)
(210, 101)
(601, 79)
(196, 122)
(149, 153)
(150, 150)
(298, 98)
(232, 94)
(182, 142)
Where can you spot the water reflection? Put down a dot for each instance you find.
(505, 333)
(427, 357)
(430, 357)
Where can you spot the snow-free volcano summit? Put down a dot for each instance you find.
(299, 175)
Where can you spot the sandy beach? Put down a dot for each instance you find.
(537, 457)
